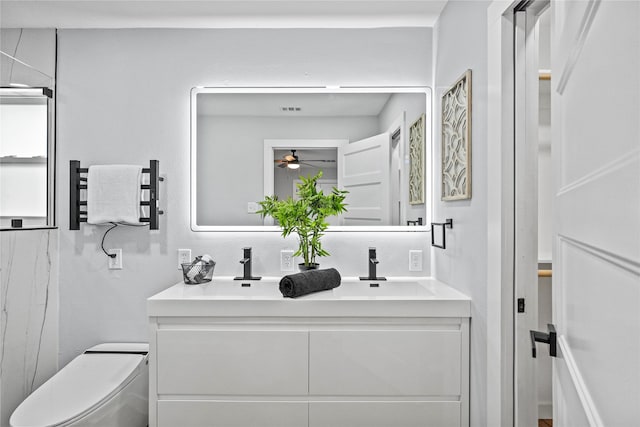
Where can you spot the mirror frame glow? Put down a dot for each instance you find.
(262, 90)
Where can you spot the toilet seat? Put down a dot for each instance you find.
(83, 385)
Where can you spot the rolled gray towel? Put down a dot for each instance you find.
(307, 282)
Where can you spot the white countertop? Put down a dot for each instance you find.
(395, 297)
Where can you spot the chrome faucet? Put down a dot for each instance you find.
(373, 262)
(246, 262)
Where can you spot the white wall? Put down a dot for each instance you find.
(545, 184)
(461, 43)
(413, 105)
(233, 138)
(545, 221)
(123, 96)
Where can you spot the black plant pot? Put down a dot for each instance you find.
(312, 266)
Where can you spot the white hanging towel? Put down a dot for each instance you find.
(113, 194)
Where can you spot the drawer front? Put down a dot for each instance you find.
(203, 413)
(384, 414)
(232, 362)
(385, 363)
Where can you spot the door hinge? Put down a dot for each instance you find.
(520, 305)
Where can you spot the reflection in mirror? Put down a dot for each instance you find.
(23, 156)
(289, 165)
(296, 158)
(249, 143)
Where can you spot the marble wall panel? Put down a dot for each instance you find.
(29, 316)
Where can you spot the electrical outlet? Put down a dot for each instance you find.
(184, 257)
(115, 263)
(415, 260)
(286, 260)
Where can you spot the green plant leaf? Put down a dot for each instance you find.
(306, 216)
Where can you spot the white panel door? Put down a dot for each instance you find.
(596, 261)
(526, 214)
(363, 170)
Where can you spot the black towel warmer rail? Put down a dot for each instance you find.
(77, 182)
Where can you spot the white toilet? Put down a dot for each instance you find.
(107, 385)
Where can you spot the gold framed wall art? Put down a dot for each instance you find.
(416, 161)
(456, 140)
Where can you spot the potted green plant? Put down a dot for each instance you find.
(306, 216)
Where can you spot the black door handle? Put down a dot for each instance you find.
(547, 338)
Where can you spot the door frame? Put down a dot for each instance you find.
(526, 142)
(284, 144)
(500, 212)
(400, 125)
(502, 376)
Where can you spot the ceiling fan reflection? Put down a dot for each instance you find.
(292, 161)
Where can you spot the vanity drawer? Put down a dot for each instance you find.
(201, 413)
(385, 362)
(232, 362)
(384, 414)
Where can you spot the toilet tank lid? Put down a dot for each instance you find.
(81, 386)
(132, 347)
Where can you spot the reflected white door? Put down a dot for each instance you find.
(596, 154)
(363, 170)
(326, 185)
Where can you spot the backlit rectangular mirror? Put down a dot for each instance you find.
(250, 142)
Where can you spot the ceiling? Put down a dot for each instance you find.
(218, 13)
(292, 104)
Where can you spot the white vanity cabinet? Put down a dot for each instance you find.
(328, 369)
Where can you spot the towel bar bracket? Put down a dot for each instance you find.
(448, 223)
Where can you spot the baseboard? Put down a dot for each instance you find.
(545, 410)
